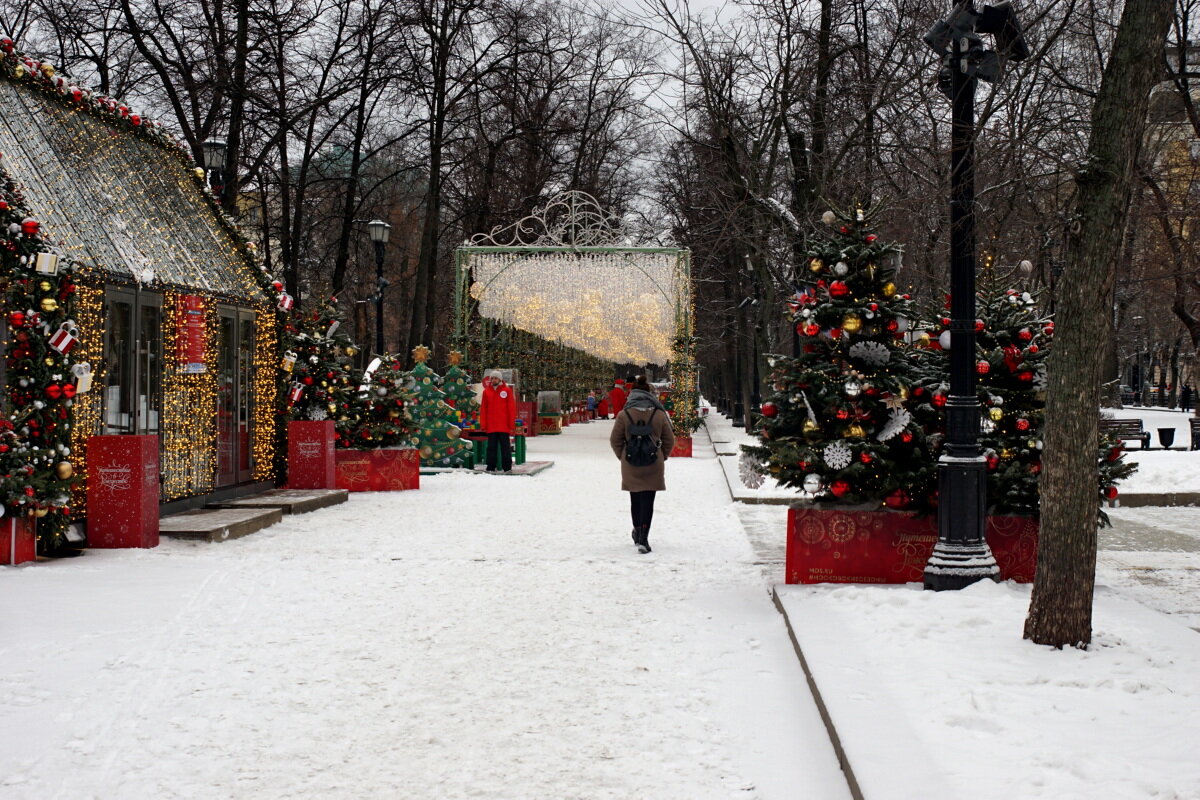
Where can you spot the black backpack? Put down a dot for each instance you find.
(640, 448)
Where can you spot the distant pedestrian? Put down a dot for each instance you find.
(591, 404)
(497, 417)
(1185, 397)
(644, 418)
(616, 397)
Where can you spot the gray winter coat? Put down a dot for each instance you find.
(639, 407)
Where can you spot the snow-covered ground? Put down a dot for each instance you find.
(499, 637)
(485, 636)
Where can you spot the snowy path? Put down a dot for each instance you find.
(484, 637)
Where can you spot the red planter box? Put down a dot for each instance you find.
(833, 546)
(528, 413)
(682, 448)
(18, 540)
(122, 491)
(311, 462)
(385, 470)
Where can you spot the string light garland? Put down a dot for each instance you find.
(89, 313)
(189, 413)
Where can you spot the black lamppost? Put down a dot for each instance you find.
(214, 162)
(379, 235)
(962, 556)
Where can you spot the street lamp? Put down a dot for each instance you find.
(962, 556)
(379, 235)
(214, 162)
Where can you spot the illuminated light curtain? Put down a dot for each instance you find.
(616, 306)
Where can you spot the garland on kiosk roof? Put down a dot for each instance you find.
(36, 474)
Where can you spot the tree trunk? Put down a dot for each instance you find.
(1060, 610)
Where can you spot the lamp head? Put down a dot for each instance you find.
(379, 230)
(214, 153)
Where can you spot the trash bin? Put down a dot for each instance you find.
(1166, 437)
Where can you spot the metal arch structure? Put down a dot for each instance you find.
(568, 275)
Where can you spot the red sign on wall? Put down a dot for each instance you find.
(191, 338)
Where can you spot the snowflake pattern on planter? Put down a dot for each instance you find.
(871, 353)
(316, 414)
(898, 420)
(750, 470)
(837, 455)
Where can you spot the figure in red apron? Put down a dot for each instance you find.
(616, 398)
(497, 418)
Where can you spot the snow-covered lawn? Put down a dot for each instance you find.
(485, 636)
(935, 695)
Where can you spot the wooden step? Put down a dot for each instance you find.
(290, 501)
(218, 524)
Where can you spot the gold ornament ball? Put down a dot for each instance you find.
(453, 433)
(49, 304)
(332, 407)
(994, 414)
(393, 413)
(49, 362)
(64, 470)
(44, 286)
(48, 70)
(41, 512)
(816, 265)
(889, 289)
(426, 451)
(851, 323)
(854, 431)
(199, 172)
(351, 351)
(1007, 453)
(810, 426)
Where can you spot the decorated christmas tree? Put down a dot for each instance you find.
(381, 415)
(317, 380)
(1012, 341)
(42, 379)
(436, 434)
(835, 423)
(460, 393)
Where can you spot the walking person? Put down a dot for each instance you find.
(591, 404)
(497, 418)
(642, 439)
(1185, 398)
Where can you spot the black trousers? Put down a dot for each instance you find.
(499, 452)
(641, 508)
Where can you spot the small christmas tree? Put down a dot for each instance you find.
(1012, 341)
(317, 381)
(836, 425)
(381, 410)
(436, 434)
(460, 394)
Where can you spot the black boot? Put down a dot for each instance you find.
(636, 534)
(643, 541)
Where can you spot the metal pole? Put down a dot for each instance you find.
(961, 556)
(379, 284)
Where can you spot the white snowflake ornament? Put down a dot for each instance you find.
(750, 470)
(837, 455)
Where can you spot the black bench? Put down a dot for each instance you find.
(1194, 422)
(1129, 429)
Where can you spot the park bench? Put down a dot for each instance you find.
(1126, 429)
(1194, 422)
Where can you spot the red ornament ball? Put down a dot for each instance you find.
(835, 333)
(812, 329)
(839, 488)
(1048, 329)
(17, 319)
(906, 437)
(54, 391)
(30, 226)
(897, 499)
(1114, 454)
(979, 326)
(939, 400)
(838, 289)
(135, 120)
(1032, 349)
(983, 368)
(842, 413)
(769, 409)
(1110, 492)
(1022, 424)
(1035, 468)
(277, 285)
(844, 229)
(865, 457)
(993, 462)
(1026, 376)
(1024, 334)
(871, 237)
